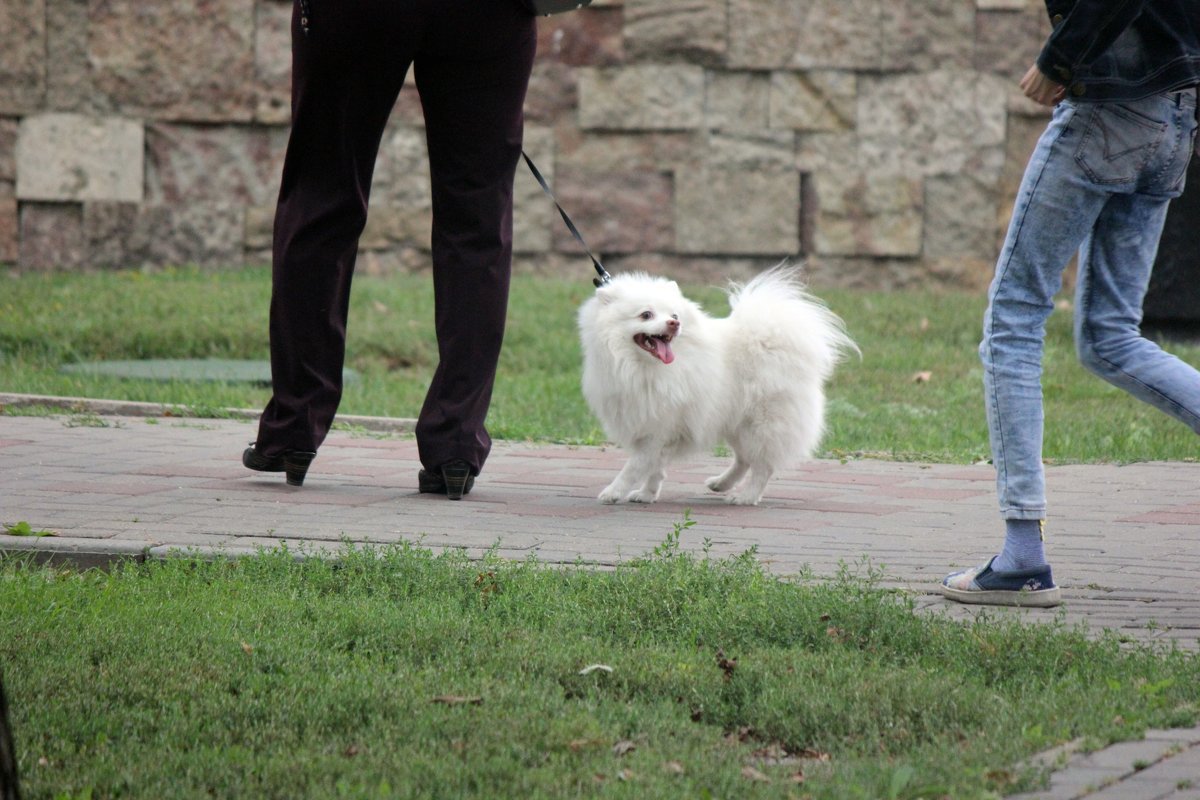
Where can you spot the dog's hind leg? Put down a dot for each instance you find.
(730, 477)
(751, 491)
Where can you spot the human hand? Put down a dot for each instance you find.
(1041, 89)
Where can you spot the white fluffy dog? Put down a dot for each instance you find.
(666, 379)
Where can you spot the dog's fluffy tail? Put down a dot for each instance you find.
(780, 294)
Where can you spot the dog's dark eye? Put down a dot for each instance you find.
(647, 315)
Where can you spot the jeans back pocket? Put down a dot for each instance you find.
(1117, 143)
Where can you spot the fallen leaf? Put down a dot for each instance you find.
(625, 775)
(813, 755)
(773, 754)
(380, 307)
(622, 747)
(752, 774)
(924, 376)
(924, 324)
(579, 744)
(673, 767)
(797, 776)
(457, 700)
(351, 751)
(247, 648)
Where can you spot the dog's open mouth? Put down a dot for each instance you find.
(657, 346)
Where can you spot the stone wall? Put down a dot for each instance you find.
(880, 140)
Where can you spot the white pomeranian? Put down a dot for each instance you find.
(667, 380)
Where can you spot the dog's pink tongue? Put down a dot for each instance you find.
(662, 349)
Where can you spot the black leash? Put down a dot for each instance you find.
(602, 273)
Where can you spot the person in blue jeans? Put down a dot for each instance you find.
(1122, 77)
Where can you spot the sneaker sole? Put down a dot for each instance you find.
(1040, 598)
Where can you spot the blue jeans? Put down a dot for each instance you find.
(1098, 182)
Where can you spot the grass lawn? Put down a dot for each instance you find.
(915, 394)
(398, 673)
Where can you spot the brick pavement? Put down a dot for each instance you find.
(1124, 540)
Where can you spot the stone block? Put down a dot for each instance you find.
(175, 61)
(8, 230)
(534, 215)
(8, 150)
(259, 227)
(128, 235)
(68, 74)
(50, 237)
(1009, 5)
(402, 169)
(922, 35)
(649, 97)
(22, 56)
(866, 272)
(732, 211)
(553, 93)
(737, 101)
(690, 30)
(750, 150)
(960, 218)
(817, 34)
(620, 151)
(820, 150)
(616, 211)
(1007, 42)
(389, 226)
(945, 121)
(273, 61)
(1023, 135)
(224, 163)
(868, 214)
(70, 157)
(592, 39)
(818, 100)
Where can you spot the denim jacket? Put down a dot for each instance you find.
(1122, 49)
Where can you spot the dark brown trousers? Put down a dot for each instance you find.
(471, 61)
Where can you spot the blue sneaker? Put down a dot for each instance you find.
(985, 586)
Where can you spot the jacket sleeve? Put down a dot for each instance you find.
(1083, 32)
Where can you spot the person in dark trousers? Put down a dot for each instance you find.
(1122, 77)
(471, 61)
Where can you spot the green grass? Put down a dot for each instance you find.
(876, 407)
(398, 673)
(269, 677)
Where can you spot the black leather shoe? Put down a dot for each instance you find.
(294, 462)
(453, 480)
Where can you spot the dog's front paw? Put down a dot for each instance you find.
(610, 495)
(642, 496)
(740, 499)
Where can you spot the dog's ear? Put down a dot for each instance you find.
(606, 294)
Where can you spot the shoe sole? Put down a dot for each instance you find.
(1040, 598)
